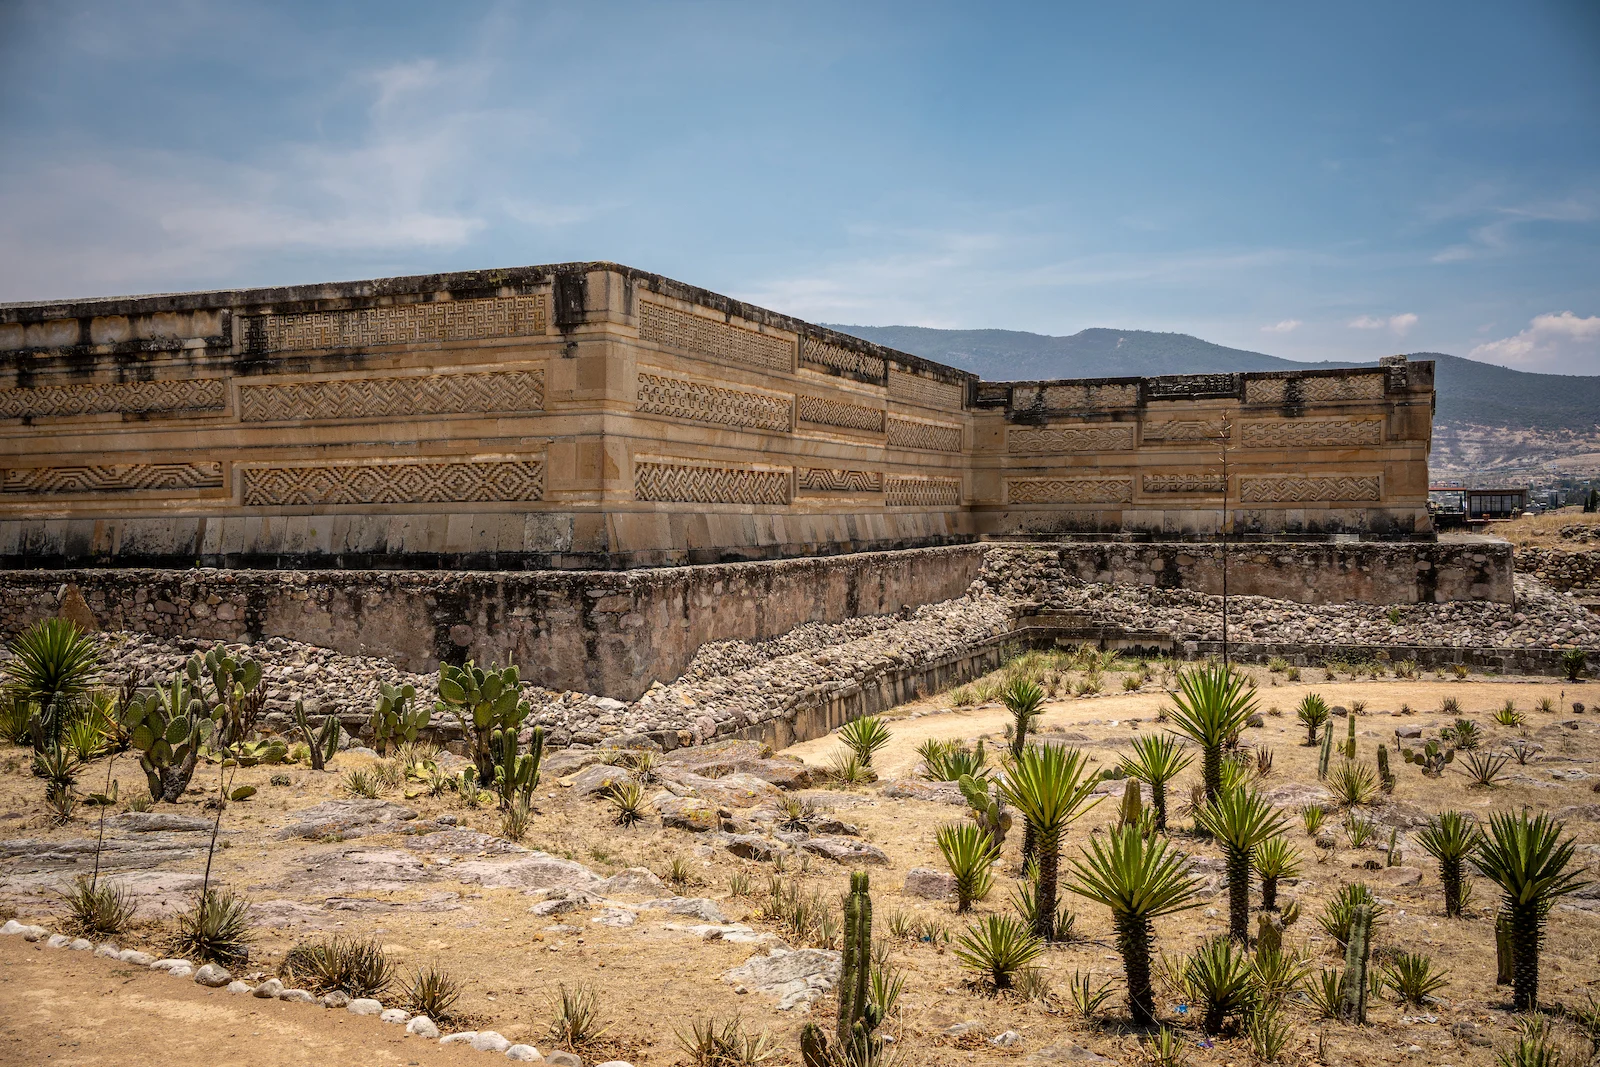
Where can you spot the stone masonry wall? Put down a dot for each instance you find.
(1574, 571)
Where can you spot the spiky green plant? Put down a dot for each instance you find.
(1533, 1048)
(1218, 979)
(1048, 785)
(1358, 830)
(99, 909)
(53, 664)
(1450, 837)
(1275, 859)
(1463, 734)
(948, 761)
(998, 947)
(846, 769)
(865, 736)
(216, 928)
(1139, 879)
(1412, 977)
(1269, 1034)
(1353, 784)
(1485, 768)
(1023, 699)
(577, 1015)
(1240, 820)
(1165, 1047)
(58, 766)
(1088, 996)
(710, 1042)
(1531, 863)
(628, 802)
(970, 854)
(431, 991)
(1573, 661)
(357, 967)
(361, 783)
(1157, 759)
(1339, 912)
(1211, 707)
(484, 701)
(1311, 816)
(1313, 713)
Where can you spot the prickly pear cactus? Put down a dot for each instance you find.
(1432, 759)
(168, 728)
(394, 719)
(235, 691)
(483, 701)
(988, 811)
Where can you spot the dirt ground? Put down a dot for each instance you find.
(1544, 531)
(60, 1007)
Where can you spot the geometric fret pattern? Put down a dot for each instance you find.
(362, 398)
(1307, 489)
(1183, 431)
(1184, 483)
(929, 392)
(827, 356)
(1069, 490)
(838, 413)
(698, 402)
(445, 320)
(816, 480)
(907, 433)
(101, 398)
(111, 478)
(695, 484)
(1074, 397)
(1299, 433)
(903, 492)
(703, 336)
(1313, 390)
(395, 483)
(1070, 439)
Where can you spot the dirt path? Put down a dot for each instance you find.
(63, 1007)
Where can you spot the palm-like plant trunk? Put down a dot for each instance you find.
(1525, 956)
(1158, 801)
(1450, 875)
(1048, 859)
(1030, 841)
(1239, 894)
(1133, 941)
(1269, 893)
(1211, 771)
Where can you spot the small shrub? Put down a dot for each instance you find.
(1292, 674)
(865, 736)
(1450, 706)
(360, 783)
(1460, 670)
(1311, 817)
(1323, 992)
(998, 948)
(577, 1021)
(1263, 762)
(1131, 682)
(710, 1043)
(1313, 714)
(1508, 715)
(352, 966)
(1353, 783)
(1218, 979)
(431, 992)
(628, 802)
(1573, 661)
(99, 909)
(1277, 664)
(1089, 998)
(1484, 768)
(738, 884)
(1412, 977)
(1269, 1035)
(140, 802)
(969, 852)
(947, 761)
(1520, 751)
(1463, 734)
(217, 929)
(389, 774)
(848, 770)
(1164, 1048)
(1535, 1047)
(1546, 705)
(516, 820)
(963, 697)
(1358, 830)
(680, 875)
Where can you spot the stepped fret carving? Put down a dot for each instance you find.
(838, 413)
(1184, 483)
(825, 356)
(686, 483)
(1070, 439)
(365, 398)
(1315, 389)
(1295, 488)
(929, 392)
(904, 492)
(396, 483)
(1299, 433)
(815, 480)
(443, 320)
(1069, 490)
(698, 402)
(1183, 431)
(111, 478)
(1077, 397)
(1191, 386)
(108, 398)
(707, 337)
(937, 437)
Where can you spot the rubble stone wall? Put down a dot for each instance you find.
(1566, 571)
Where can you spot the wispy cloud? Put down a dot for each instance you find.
(1401, 324)
(1286, 326)
(1499, 234)
(1559, 342)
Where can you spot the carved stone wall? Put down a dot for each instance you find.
(367, 398)
(700, 402)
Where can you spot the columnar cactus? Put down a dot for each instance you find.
(324, 742)
(484, 701)
(1327, 751)
(1353, 989)
(517, 775)
(393, 719)
(1385, 776)
(1350, 736)
(168, 728)
(1132, 804)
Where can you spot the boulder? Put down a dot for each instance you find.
(532, 870)
(595, 779)
(695, 907)
(752, 847)
(422, 1026)
(687, 813)
(1398, 876)
(930, 884)
(845, 850)
(632, 880)
(489, 1041)
(340, 819)
(144, 822)
(796, 978)
(364, 1006)
(917, 789)
(212, 975)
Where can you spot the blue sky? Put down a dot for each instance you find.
(1316, 181)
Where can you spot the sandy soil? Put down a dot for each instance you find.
(1543, 531)
(653, 979)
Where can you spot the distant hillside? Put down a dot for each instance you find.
(1470, 393)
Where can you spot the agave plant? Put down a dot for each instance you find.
(1313, 713)
(1212, 705)
(1275, 859)
(969, 853)
(52, 665)
(1023, 699)
(1219, 978)
(216, 928)
(865, 736)
(998, 948)
(1531, 863)
(1450, 837)
(1412, 977)
(1048, 785)
(1338, 914)
(1240, 820)
(1139, 879)
(1157, 759)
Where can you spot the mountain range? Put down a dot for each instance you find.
(1469, 393)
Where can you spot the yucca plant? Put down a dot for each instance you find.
(969, 853)
(1023, 699)
(1358, 830)
(361, 783)
(1533, 1048)
(1240, 820)
(353, 966)
(1275, 859)
(1025, 898)
(1573, 661)
(1139, 879)
(846, 769)
(1353, 783)
(516, 820)
(1484, 768)
(1218, 979)
(1277, 974)
(947, 761)
(1157, 759)
(1311, 816)
(998, 947)
(432, 992)
(1313, 713)
(1450, 837)
(577, 1015)
(628, 802)
(1211, 707)
(99, 909)
(1508, 715)
(864, 736)
(52, 665)
(1089, 997)
(1412, 977)
(1048, 785)
(1531, 863)
(1164, 1048)
(1269, 1034)
(217, 928)
(710, 1042)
